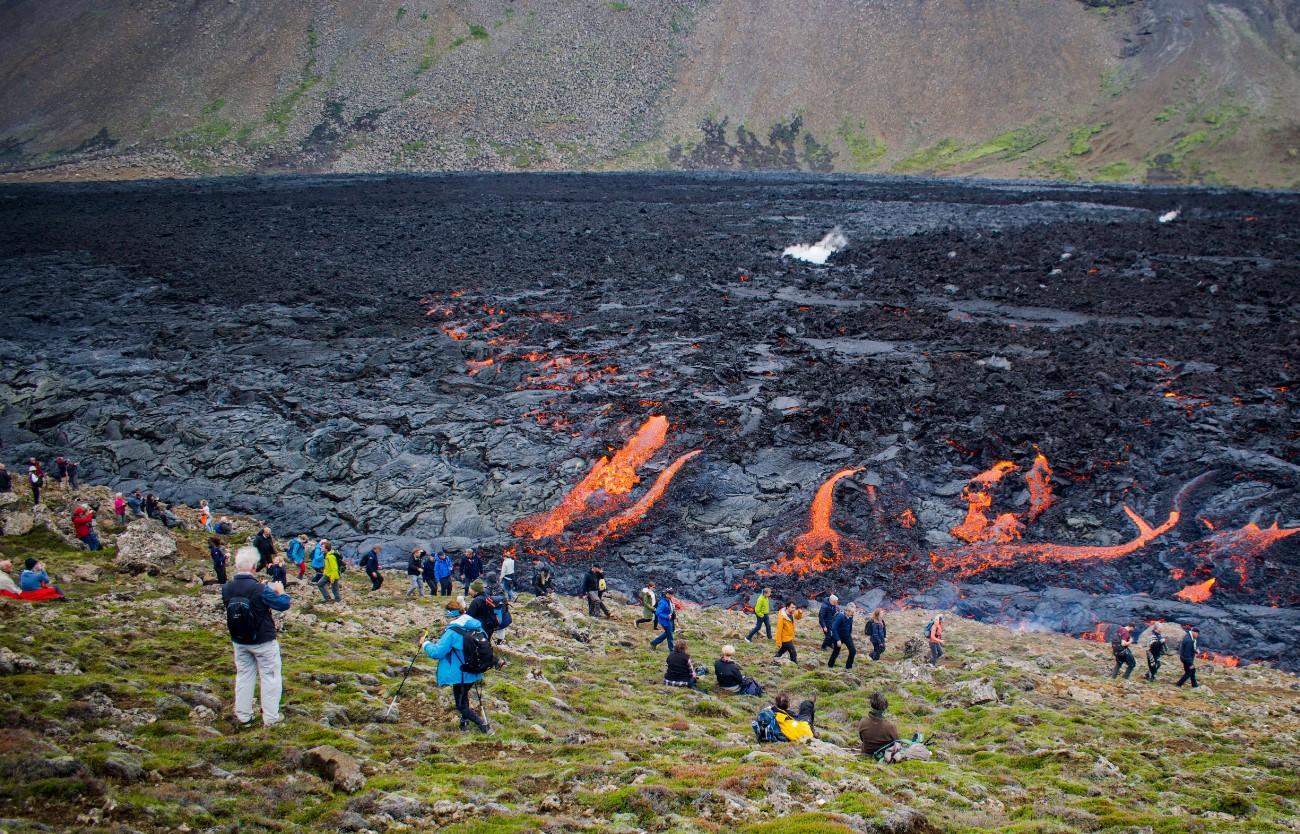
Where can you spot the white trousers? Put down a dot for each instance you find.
(256, 664)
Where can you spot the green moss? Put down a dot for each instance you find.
(934, 158)
(799, 824)
(1118, 171)
(1081, 138)
(619, 7)
(864, 149)
(282, 109)
(1009, 145)
(478, 32)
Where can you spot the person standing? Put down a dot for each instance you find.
(428, 573)
(35, 478)
(449, 651)
(1122, 648)
(73, 469)
(762, 607)
(784, 639)
(297, 551)
(469, 568)
(6, 480)
(248, 605)
(649, 599)
(61, 469)
(442, 573)
(218, 554)
(542, 579)
(119, 509)
(508, 576)
(591, 583)
(330, 574)
(934, 634)
(876, 632)
(415, 573)
(370, 564)
(666, 619)
(842, 633)
(1187, 655)
(826, 616)
(1155, 651)
(83, 524)
(136, 501)
(205, 515)
(483, 608)
(265, 545)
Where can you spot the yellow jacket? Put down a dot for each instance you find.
(791, 727)
(785, 626)
(332, 566)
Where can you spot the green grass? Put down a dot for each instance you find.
(1012, 144)
(864, 149)
(1081, 138)
(933, 158)
(1119, 171)
(282, 109)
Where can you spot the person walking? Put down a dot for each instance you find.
(35, 478)
(265, 545)
(330, 574)
(449, 651)
(664, 616)
(61, 469)
(297, 551)
(415, 573)
(876, 632)
(483, 608)
(934, 634)
(442, 573)
(428, 574)
(218, 554)
(826, 616)
(318, 556)
(591, 586)
(119, 509)
(83, 524)
(370, 564)
(470, 568)
(1155, 651)
(1187, 655)
(784, 639)
(7, 481)
(248, 605)
(842, 632)
(1122, 648)
(542, 579)
(508, 576)
(649, 599)
(205, 515)
(762, 607)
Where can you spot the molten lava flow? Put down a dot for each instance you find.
(1243, 546)
(632, 516)
(976, 522)
(976, 527)
(1199, 592)
(1097, 635)
(907, 518)
(994, 473)
(1039, 481)
(1221, 659)
(821, 547)
(613, 477)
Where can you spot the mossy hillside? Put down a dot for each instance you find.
(587, 738)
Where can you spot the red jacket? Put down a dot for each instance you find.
(81, 520)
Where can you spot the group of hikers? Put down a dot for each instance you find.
(1122, 649)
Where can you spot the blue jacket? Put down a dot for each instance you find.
(30, 580)
(317, 558)
(826, 615)
(441, 567)
(471, 569)
(877, 632)
(448, 651)
(296, 552)
(664, 612)
(1186, 650)
(842, 627)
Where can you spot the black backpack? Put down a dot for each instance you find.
(241, 620)
(476, 650)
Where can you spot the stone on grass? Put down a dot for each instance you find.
(978, 691)
(122, 767)
(336, 766)
(1084, 696)
(145, 547)
(15, 523)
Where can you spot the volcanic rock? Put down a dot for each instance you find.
(979, 691)
(15, 523)
(145, 547)
(335, 766)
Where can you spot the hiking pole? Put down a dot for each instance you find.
(409, 667)
(478, 690)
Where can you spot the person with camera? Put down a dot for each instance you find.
(249, 604)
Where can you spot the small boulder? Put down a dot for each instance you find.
(914, 647)
(15, 523)
(978, 692)
(86, 572)
(1105, 769)
(1084, 696)
(336, 766)
(123, 768)
(145, 547)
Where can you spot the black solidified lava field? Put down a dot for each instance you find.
(442, 359)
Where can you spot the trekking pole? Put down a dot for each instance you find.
(478, 690)
(409, 666)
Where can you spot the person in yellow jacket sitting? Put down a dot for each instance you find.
(794, 726)
(330, 576)
(784, 638)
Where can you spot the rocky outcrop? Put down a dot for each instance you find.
(145, 547)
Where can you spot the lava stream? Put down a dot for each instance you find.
(1039, 481)
(1200, 592)
(632, 516)
(821, 547)
(1243, 546)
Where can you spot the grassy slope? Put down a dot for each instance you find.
(587, 737)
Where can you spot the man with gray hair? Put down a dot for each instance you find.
(825, 617)
(249, 604)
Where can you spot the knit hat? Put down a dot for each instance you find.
(477, 586)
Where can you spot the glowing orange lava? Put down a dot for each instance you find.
(821, 547)
(1039, 481)
(1200, 592)
(976, 527)
(1098, 634)
(1243, 545)
(1221, 659)
(633, 515)
(907, 518)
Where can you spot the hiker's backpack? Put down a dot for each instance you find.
(751, 687)
(1117, 648)
(241, 620)
(476, 650)
(928, 627)
(765, 727)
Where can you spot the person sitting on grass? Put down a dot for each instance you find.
(680, 671)
(34, 576)
(7, 582)
(728, 674)
(880, 739)
(794, 726)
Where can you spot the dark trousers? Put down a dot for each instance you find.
(460, 691)
(1153, 666)
(761, 622)
(936, 652)
(788, 648)
(835, 652)
(1189, 674)
(877, 649)
(1126, 659)
(667, 635)
(808, 712)
(36, 493)
(828, 640)
(220, 570)
(433, 585)
(376, 579)
(594, 603)
(444, 586)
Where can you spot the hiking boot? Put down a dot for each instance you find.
(749, 639)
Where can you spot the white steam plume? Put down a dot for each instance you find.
(819, 252)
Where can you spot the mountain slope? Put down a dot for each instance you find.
(1126, 90)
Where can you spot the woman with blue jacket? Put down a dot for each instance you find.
(449, 651)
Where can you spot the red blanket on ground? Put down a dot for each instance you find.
(43, 595)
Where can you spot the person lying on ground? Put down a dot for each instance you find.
(880, 737)
(680, 670)
(795, 726)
